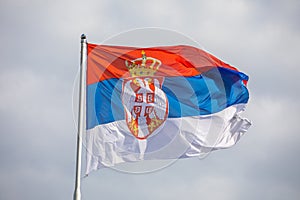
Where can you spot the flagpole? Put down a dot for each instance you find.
(83, 59)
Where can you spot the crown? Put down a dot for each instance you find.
(144, 66)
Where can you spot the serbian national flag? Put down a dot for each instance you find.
(163, 102)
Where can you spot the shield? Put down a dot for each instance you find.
(145, 105)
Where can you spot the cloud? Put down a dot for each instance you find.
(37, 128)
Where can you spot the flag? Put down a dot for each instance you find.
(159, 103)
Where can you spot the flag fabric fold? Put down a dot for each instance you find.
(160, 103)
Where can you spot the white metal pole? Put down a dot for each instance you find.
(83, 63)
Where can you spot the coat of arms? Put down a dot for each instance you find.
(145, 103)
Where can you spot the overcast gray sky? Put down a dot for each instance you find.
(39, 62)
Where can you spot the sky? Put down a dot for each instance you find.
(40, 61)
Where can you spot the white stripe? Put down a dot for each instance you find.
(112, 143)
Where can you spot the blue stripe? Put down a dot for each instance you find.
(204, 94)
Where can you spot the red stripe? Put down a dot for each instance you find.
(105, 62)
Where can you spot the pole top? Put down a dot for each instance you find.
(83, 36)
